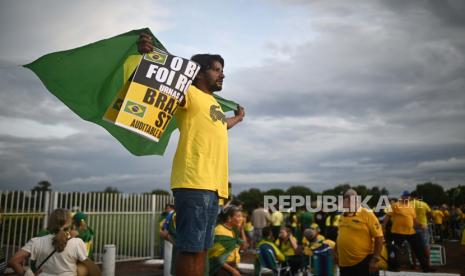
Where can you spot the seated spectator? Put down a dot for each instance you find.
(287, 243)
(56, 253)
(268, 241)
(313, 240)
(224, 256)
(84, 232)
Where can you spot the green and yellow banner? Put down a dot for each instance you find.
(92, 78)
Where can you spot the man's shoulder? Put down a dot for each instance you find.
(366, 212)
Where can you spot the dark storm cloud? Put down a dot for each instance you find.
(449, 11)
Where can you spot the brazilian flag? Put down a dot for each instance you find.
(221, 249)
(87, 80)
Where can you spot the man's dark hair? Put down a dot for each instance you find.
(206, 61)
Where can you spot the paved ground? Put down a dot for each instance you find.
(454, 254)
(455, 264)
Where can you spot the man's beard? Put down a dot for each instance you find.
(215, 87)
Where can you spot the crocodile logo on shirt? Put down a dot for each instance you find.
(216, 114)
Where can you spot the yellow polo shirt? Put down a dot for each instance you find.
(402, 216)
(422, 209)
(355, 236)
(438, 216)
(276, 218)
(286, 246)
(201, 159)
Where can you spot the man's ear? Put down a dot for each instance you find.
(200, 75)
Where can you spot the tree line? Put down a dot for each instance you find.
(432, 193)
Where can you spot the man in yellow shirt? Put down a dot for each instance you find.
(360, 239)
(438, 220)
(404, 219)
(423, 213)
(277, 219)
(199, 174)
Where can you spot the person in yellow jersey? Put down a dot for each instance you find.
(287, 244)
(360, 239)
(423, 213)
(199, 174)
(277, 219)
(332, 225)
(224, 256)
(438, 219)
(446, 221)
(267, 244)
(404, 219)
(313, 240)
(248, 229)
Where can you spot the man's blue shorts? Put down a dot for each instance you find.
(196, 213)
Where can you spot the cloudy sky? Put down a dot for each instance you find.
(363, 92)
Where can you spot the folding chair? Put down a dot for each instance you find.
(267, 259)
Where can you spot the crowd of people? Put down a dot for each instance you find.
(206, 237)
(359, 243)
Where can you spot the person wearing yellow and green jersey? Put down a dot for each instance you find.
(248, 229)
(293, 221)
(305, 219)
(313, 240)
(267, 244)
(423, 213)
(438, 221)
(199, 175)
(332, 225)
(404, 219)
(446, 221)
(224, 256)
(85, 233)
(359, 240)
(287, 244)
(277, 219)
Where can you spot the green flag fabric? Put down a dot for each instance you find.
(87, 79)
(221, 249)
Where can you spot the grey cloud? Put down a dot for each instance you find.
(372, 94)
(67, 162)
(449, 11)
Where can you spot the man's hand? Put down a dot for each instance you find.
(238, 117)
(373, 265)
(240, 112)
(144, 44)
